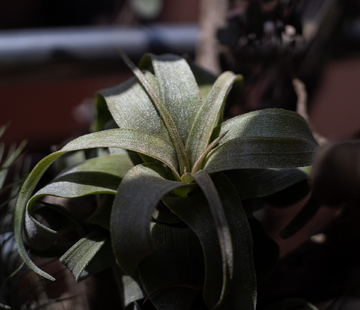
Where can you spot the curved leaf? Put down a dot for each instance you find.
(139, 193)
(131, 106)
(222, 229)
(243, 287)
(256, 183)
(208, 114)
(121, 138)
(164, 112)
(78, 257)
(259, 152)
(267, 123)
(178, 89)
(204, 79)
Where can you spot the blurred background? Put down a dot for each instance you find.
(55, 55)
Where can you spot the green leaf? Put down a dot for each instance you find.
(178, 89)
(102, 114)
(13, 156)
(242, 293)
(132, 288)
(164, 112)
(222, 229)
(260, 152)
(204, 79)
(131, 106)
(99, 175)
(121, 138)
(134, 140)
(139, 193)
(173, 274)
(267, 123)
(78, 257)
(256, 183)
(207, 116)
(116, 165)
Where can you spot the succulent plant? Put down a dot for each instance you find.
(170, 189)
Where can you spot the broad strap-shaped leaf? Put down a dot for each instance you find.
(132, 288)
(131, 107)
(222, 229)
(267, 123)
(134, 140)
(166, 116)
(173, 274)
(116, 164)
(100, 175)
(137, 141)
(139, 193)
(260, 153)
(178, 89)
(195, 212)
(207, 117)
(40, 237)
(256, 183)
(78, 257)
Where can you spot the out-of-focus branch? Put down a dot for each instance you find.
(301, 108)
(212, 17)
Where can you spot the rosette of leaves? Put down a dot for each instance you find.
(170, 211)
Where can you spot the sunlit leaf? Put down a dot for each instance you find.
(122, 138)
(78, 257)
(131, 107)
(166, 116)
(178, 89)
(259, 152)
(267, 123)
(207, 116)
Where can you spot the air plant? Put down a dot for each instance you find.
(171, 188)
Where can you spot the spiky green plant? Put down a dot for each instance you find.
(9, 188)
(172, 217)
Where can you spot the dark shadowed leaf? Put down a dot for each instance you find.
(255, 183)
(139, 193)
(174, 273)
(243, 286)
